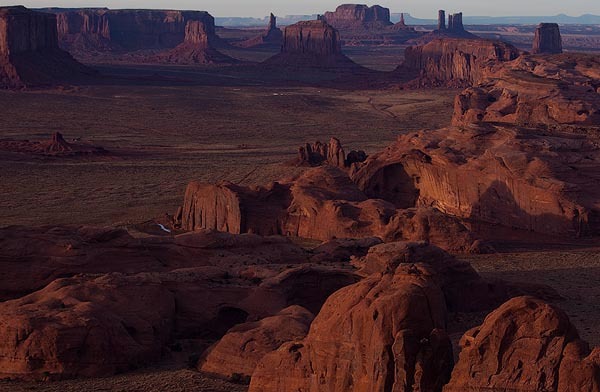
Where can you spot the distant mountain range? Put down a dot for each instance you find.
(468, 20)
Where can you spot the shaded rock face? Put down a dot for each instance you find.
(197, 47)
(272, 37)
(311, 44)
(29, 53)
(525, 345)
(505, 177)
(455, 62)
(322, 204)
(331, 154)
(96, 322)
(312, 38)
(358, 16)
(534, 91)
(240, 350)
(128, 30)
(384, 333)
(81, 327)
(547, 39)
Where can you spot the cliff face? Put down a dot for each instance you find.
(547, 39)
(352, 16)
(455, 62)
(129, 29)
(29, 53)
(314, 37)
(311, 44)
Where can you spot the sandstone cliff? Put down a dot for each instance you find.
(311, 44)
(273, 37)
(358, 16)
(29, 52)
(99, 30)
(455, 62)
(547, 39)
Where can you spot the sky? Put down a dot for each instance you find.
(417, 8)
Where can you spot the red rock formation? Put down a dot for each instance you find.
(197, 47)
(455, 62)
(504, 177)
(40, 255)
(547, 39)
(29, 53)
(330, 154)
(85, 327)
(240, 350)
(525, 345)
(534, 91)
(272, 37)
(128, 29)
(57, 146)
(322, 204)
(383, 333)
(358, 16)
(311, 44)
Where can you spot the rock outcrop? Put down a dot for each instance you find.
(333, 154)
(197, 47)
(383, 333)
(547, 39)
(29, 52)
(492, 175)
(273, 37)
(311, 44)
(240, 350)
(85, 327)
(358, 16)
(322, 204)
(455, 62)
(56, 146)
(535, 91)
(525, 345)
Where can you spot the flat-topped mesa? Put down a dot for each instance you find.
(455, 61)
(547, 39)
(127, 30)
(311, 43)
(357, 16)
(29, 52)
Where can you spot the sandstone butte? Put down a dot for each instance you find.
(197, 47)
(358, 16)
(547, 39)
(311, 44)
(272, 37)
(29, 52)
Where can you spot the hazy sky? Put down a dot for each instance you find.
(418, 8)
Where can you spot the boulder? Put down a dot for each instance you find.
(547, 39)
(525, 345)
(29, 52)
(240, 350)
(383, 333)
